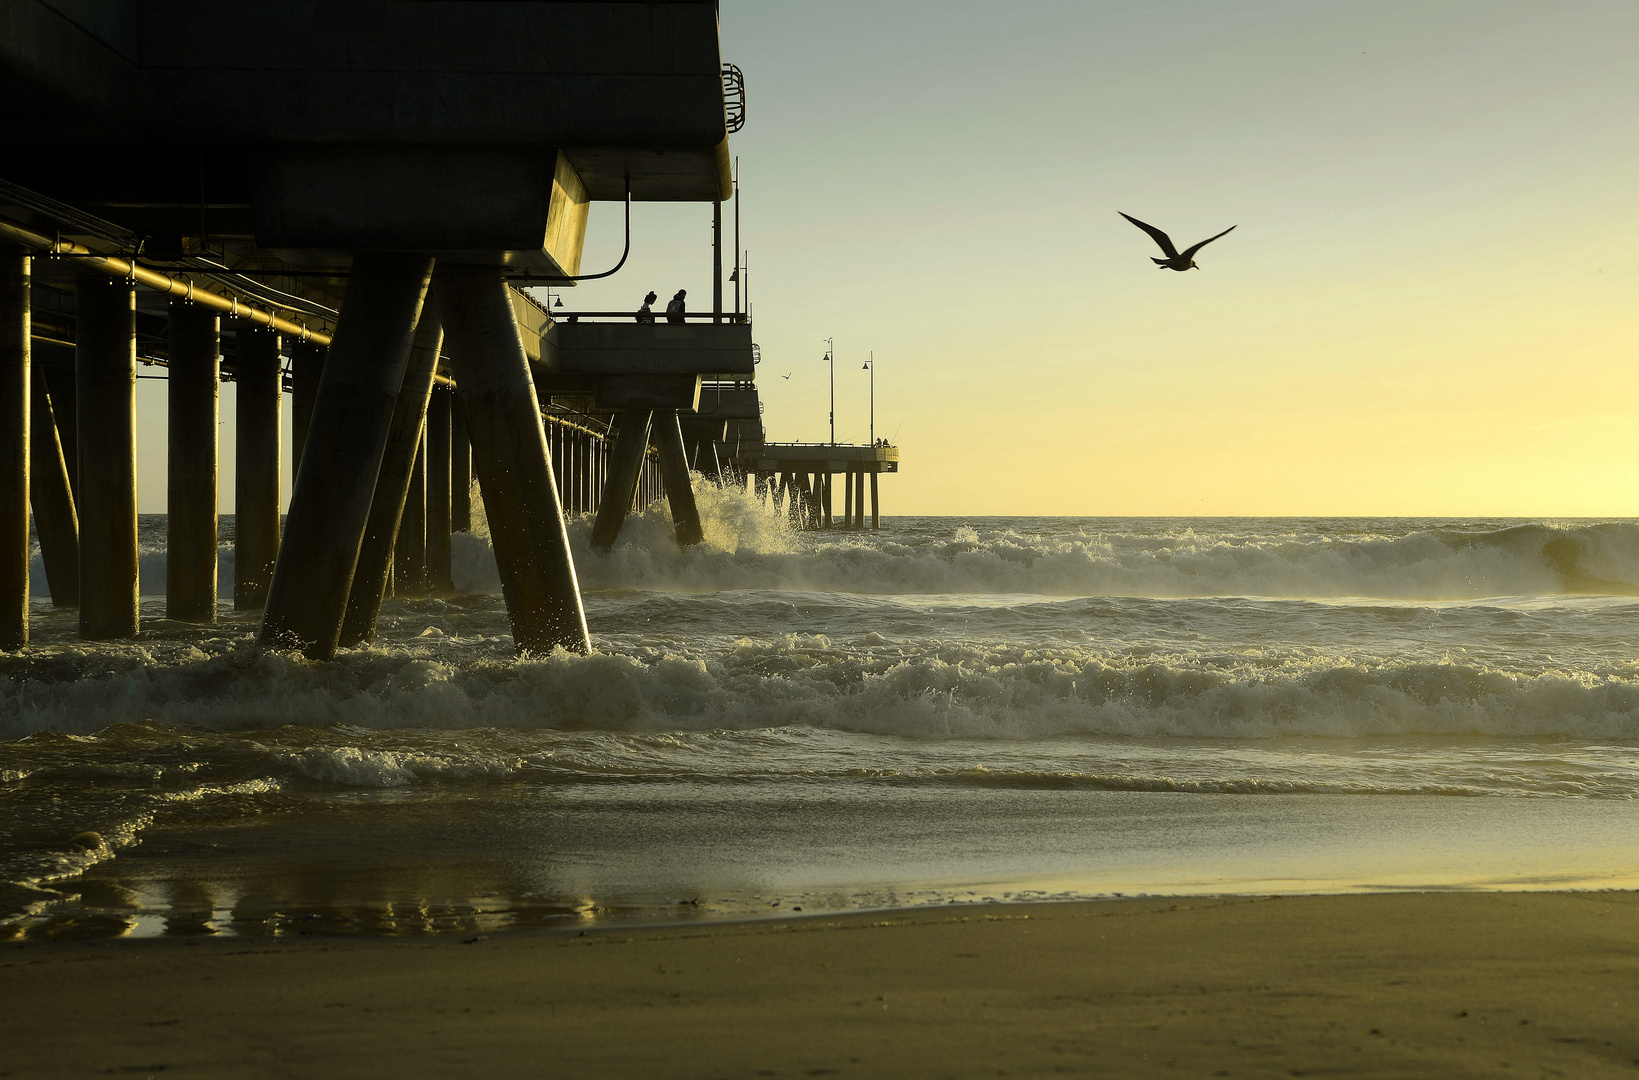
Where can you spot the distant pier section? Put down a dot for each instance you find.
(801, 478)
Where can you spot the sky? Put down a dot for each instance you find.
(1427, 306)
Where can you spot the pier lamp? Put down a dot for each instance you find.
(870, 365)
(830, 358)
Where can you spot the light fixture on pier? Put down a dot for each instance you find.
(830, 358)
(870, 365)
(559, 303)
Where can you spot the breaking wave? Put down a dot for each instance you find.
(749, 547)
(952, 690)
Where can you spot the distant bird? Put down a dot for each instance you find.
(1174, 260)
(785, 376)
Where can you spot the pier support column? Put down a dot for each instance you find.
(668, 437)
(52, 497)
(848, 498)
(191, 465)
(105, 374)
(859, 497)
(625, 467)
(460, 467)
(334, 488)
(410, 542)
(16, 364)
(438, 492)
(583, 472)
(306, 372)
(802, 503)
(64, 387)
(379, 566)
(825, 479)
(509, 454)
(876, 518)
(258, 400)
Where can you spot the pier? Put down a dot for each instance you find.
(801, 478)
(348, 210)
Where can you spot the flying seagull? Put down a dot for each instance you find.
(1174, 260)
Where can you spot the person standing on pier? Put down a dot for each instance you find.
(674, 310)
(645, 314)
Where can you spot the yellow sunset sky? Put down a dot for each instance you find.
(1430, 305)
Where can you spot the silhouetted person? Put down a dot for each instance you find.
(675, 309)
(644, 313)
(1174, 260)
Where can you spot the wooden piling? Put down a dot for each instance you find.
(380, 572)
(876, 518)
(191, 465)
(334, 487)
(16, 366)
(258, 400)
(668, 437)
(105, 371)
(625, 468)
(52, 497)
(509, 454)
(438, 492)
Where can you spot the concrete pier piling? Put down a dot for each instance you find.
(105, 373)
(330, 506)
(64, 388)
(509, 454)
(258, 400)
(460, 468)
(625, 470)
(876, 517)
(859, 497)
(191, 466)
(52, 497)
(385, 536)
(306, 371)
(16, 364)
(438, 492)
(410, 542)
(674, 468)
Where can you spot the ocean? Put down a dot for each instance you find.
(777, 722)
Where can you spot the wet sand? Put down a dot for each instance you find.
(1414, 985)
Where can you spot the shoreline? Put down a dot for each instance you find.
(1400, 984)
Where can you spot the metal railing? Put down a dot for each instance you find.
(734, 98)
(629, 316)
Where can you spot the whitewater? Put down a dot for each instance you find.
(945, 710)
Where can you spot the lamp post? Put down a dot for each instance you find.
(870, 365)
(831, 358)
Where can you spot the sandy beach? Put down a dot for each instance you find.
(1444, 984)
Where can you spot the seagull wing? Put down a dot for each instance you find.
(1156, 234)
(1190, 254)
